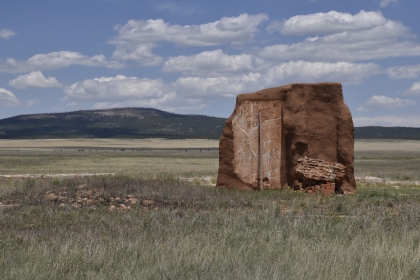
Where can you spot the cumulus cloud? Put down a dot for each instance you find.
(413, 90)
(55, 60)
(409, 121)
(371, 37)
(34, 79)
(141, 53)
(212, 63)
(116, 88)
(216, 87)
(146, 34)
(385, 3)
(404, 72)
(328, 23)
(185, 93)
(218, 64)
(8, 99)
(303, 71)
(157, 102)
(381, 101)
(6, 33)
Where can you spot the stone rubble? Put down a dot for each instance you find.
(86, 197)
(317, 175)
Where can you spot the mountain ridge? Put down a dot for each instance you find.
(135, 122)
(111, 123)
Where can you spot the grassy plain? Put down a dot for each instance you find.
(184, 230)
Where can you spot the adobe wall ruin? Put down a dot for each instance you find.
(297, 121)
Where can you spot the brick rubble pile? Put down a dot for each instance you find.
(319, 170)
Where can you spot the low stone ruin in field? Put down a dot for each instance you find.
(270, 132)
(316, 175)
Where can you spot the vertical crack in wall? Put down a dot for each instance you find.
(247, 149)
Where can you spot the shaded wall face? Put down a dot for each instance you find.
(245, 126)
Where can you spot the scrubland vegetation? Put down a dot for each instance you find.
(185, 229)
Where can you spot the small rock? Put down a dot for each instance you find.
(147, 202)
(81, 186)
(50, 197)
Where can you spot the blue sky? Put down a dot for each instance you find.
(195, 56)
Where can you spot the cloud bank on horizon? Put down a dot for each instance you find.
(197, 66)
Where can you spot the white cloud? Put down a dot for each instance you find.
(340, 50)
(328, 23)
(55, 60)
(185, 93)
(230, 67)
(413, 90)
(7, 98)
(385, 3)
(226, 30)
(368, 39)
(34, 79)
(6, 33)
(404, 72)
(381, 101)
(116, 88)
(145, 35)
(157, 102)
(409, 121)
(141, 53)
(212, 63)
(213, 88)
(303, 71)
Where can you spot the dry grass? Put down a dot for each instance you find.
(184, 230)
(74, 144)
(367, 145)
(140, 163)
(391, 160)
(195, 232)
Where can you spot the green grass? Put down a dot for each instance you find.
(192, 231)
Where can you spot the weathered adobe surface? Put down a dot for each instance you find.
(298, 120)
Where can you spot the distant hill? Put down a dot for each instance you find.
(112, 123)
(145, 123)
(380, 132)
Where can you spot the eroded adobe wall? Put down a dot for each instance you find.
(245, 127)
(316, 123)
